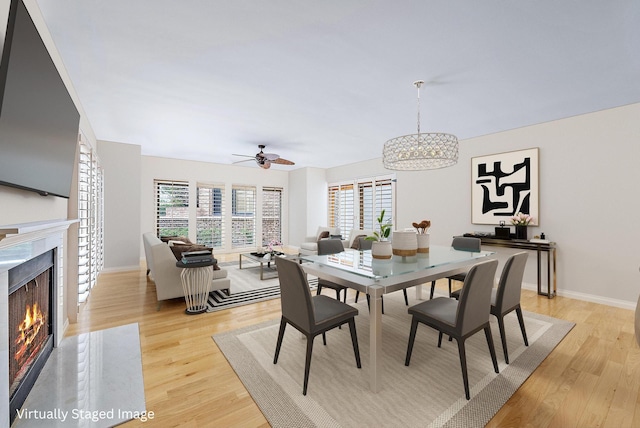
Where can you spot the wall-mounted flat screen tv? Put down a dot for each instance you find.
(38, 119)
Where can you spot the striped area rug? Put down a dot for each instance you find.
(246, 288)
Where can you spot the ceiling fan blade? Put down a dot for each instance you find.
(265, 165)
(244, 156)
(245, 160)
(282, 161)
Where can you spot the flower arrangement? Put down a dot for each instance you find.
(521, 219)
(422, 227)
(274, 243)
(385, 229)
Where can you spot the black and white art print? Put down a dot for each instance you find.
(503, 185)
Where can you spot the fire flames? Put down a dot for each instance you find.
(28, 330)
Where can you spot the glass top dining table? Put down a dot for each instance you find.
(375, 277)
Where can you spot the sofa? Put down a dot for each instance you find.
(310, 246)
(161, 267)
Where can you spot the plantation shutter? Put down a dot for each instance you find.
(210, 215)
(271, 215)
(172, 208)
(341, 207)
(243, 217)
(375, 195)
(91, 221)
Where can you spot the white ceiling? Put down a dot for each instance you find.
(327, 83)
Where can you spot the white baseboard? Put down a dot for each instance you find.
(624, 304)
(120, 269)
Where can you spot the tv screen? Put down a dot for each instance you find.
(38, 119)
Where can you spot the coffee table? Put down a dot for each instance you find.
(259, 258)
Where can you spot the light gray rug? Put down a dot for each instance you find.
(427, 393)
(90, 380)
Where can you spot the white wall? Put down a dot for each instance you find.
(121, 164)
(307, 203)
(589, 178)
(204, 172)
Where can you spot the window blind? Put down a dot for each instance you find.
(172, 208)
(243, 217)
(375, 195)
(91, 221)
(341, 207)
(210, 215)
(271, 215)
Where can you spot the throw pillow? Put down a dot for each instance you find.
(324, 234)
(178, 249)
(356, 242)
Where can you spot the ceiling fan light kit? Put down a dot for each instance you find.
(421, 151)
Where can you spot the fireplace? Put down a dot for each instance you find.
(26, 251)
(31, 324)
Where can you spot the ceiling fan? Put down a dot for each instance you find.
(264, 160)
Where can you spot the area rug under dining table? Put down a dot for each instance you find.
(429, 392)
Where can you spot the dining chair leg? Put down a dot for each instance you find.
(406, 299)
(440, 339)
(449, 287)
(521, 321)
(463, 366)
(307, 364)
(503, 338)
(318, 290)
(412, 339)
(324, 339)
(433, 287)
(492, 349)
(283, 325)
(357, 295)
(354, 341)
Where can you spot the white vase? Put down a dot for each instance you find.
(404, 243)
(381, 250)
(423, 242)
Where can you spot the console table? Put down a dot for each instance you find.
(538, 247)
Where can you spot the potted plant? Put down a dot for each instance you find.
(423, 235)
(381, 247)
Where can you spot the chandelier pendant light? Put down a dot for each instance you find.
(420, 151)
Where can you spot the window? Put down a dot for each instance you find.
(91, 221)
(348, 210)
(375, 196)
(271, 215)
(243, 217)
(210, 215)
(172, 208)
(341, 209)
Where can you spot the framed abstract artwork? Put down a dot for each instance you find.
(503, 185)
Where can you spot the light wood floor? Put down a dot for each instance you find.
(592, 379)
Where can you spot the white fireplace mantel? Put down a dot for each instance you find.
(23, 232)
(19, 243)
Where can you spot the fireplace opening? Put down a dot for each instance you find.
(31, 296)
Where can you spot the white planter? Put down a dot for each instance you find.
(381, 250)
(423, 242)
(405, 243)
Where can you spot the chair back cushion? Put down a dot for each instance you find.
(510, 284)
(295, 297)
(465, 243)
(365, 244)
(330, 246)
(474, 307)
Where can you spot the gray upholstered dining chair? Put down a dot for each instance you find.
(460, 318)
(506, 298)
(311, 315)
(461, 243)
(325, 247)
